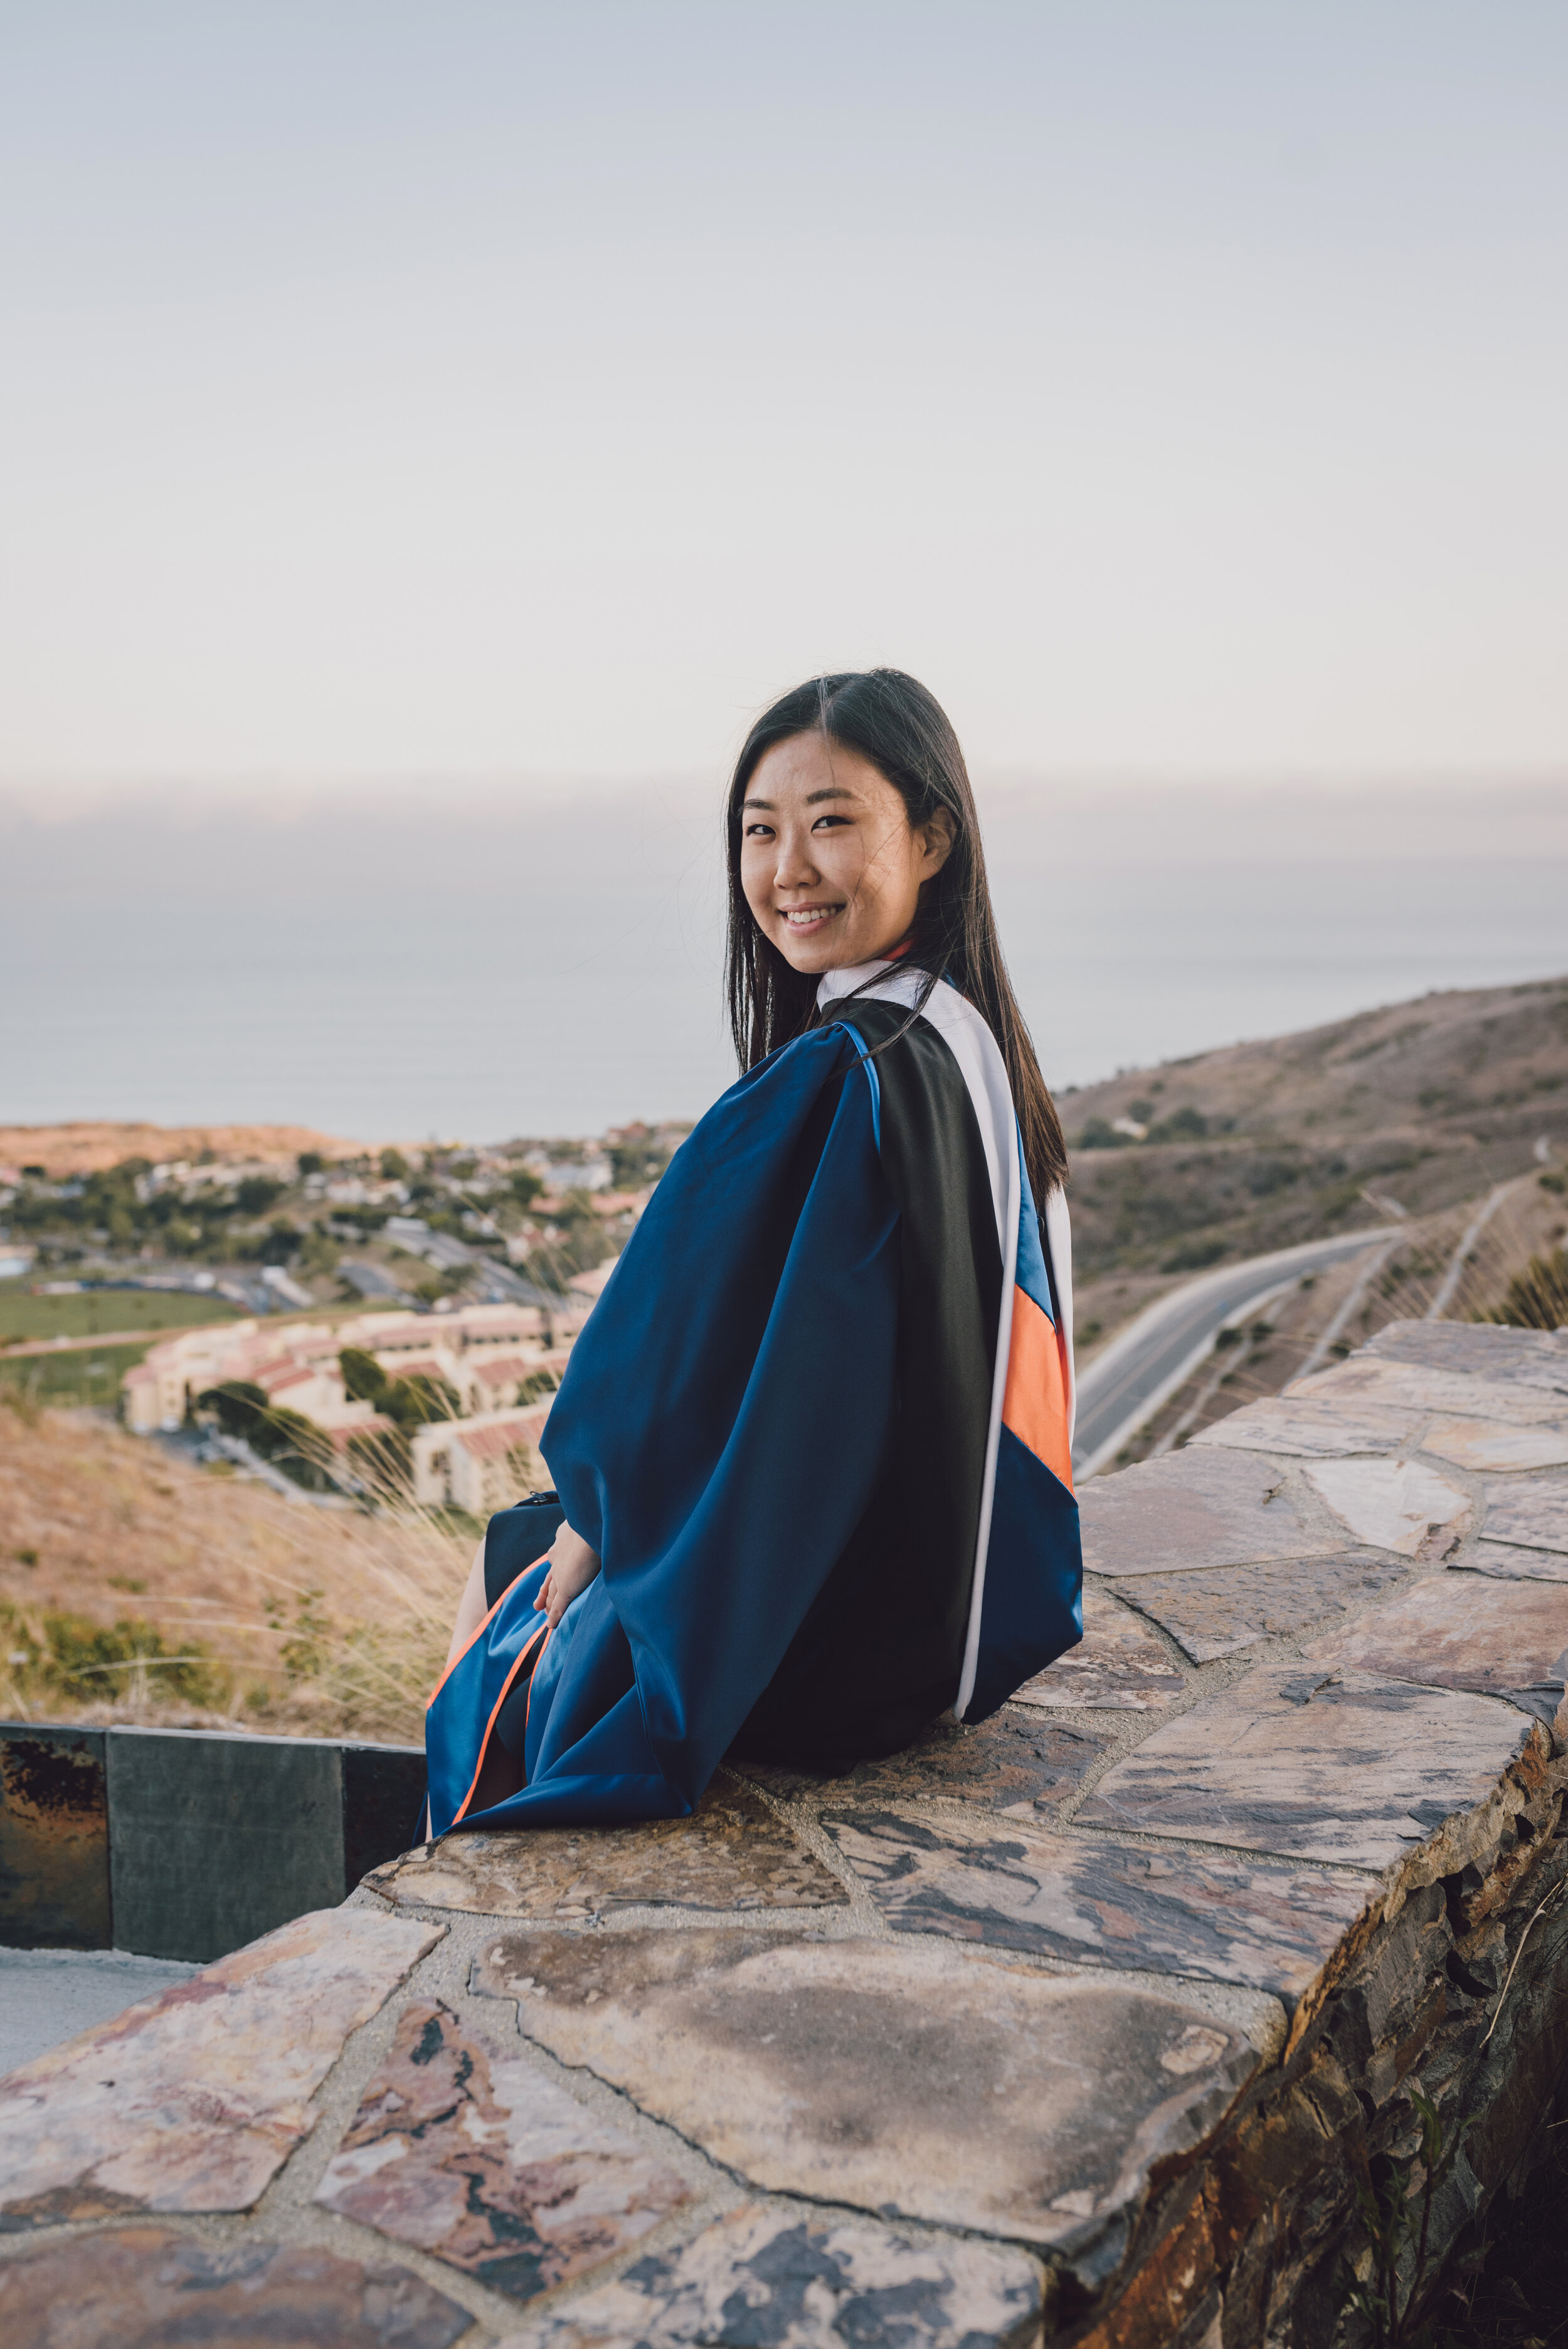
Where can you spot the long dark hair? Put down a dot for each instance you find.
(892, 721)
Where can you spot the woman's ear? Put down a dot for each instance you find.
(937, 835)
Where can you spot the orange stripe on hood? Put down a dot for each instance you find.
(1035, 1401)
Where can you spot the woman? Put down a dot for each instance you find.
(812, 1450)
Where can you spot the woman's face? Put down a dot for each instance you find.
(831, 864)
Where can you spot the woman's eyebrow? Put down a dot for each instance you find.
(829, 792)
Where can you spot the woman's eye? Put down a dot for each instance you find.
(758, 831)
(824, 820)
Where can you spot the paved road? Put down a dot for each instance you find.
(1147, 1360)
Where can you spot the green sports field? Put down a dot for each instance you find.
(101, 1311)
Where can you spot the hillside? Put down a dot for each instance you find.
(135, 1585)
(1412, 1108)
(90, 1147)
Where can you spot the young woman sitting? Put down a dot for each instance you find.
(812, 1451)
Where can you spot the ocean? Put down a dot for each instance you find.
(453, 960)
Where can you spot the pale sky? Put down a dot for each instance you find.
(469, 389)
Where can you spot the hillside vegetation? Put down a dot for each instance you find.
(1409, 1109)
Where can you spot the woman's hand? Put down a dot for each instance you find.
(573, 1565)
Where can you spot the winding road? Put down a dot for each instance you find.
(1147, 1360)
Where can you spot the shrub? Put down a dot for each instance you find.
(1537, 1297)
(1193, 1254)
(1187, 1125)
(63, 1656)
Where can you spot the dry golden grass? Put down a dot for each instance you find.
(86, 1148)
(319, 1622)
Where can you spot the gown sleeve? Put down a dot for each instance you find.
(725, 1416)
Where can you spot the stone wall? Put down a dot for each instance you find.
(1087, 2022)
(187, 1843)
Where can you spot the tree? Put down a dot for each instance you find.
(364, 1380)
(310, 1162)
(237, 1404)
(255, 1195)
(415, 1402)
(393, 1166)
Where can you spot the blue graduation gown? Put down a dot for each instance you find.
(817, 1428)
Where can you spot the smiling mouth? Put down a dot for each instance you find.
(808, 917)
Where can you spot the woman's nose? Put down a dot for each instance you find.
(795, 868)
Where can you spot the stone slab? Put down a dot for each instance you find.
(908, 2078)
(47, 1996)
(194, 2100)
(1236, 1607)
(776, 2279)
(1083, 1899)
(1525, 1357)
(465, 2149)
(1193, 1508)
(1516, 1563)
(145, 2287)
(1487, 1444)
(383, 1803)
(1394, 1504)
(1460, 1632)
(54, 1839)
(1410, 1386)
(732, 1853)
(1318, 1429)
(1117, 1667)
(216, 1839)
(1336, 1766)
(1015, 1763)
(1532, 1516)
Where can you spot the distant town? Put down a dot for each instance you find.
(471, 1269)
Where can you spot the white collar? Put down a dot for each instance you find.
(835, 983)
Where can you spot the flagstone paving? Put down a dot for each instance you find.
(1330, 1765)
(803, 2280)
(1014, 1762)
(1517, 1563)
(1082, 1897)
(1367, 1380)
(918, 2082)
(461, 2148)
(1077, 2026)
(1526, 1357)
(144, 2288)
(1460, 1632)
(733, 1853)
(1394, 1504)
(1534, 1515)
(1483, 1444)
(1235, 1607)
(1196, 1508)
(1117, 1667)
(1321, 1427)
(193, 2101)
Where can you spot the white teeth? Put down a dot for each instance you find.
(808, 917)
